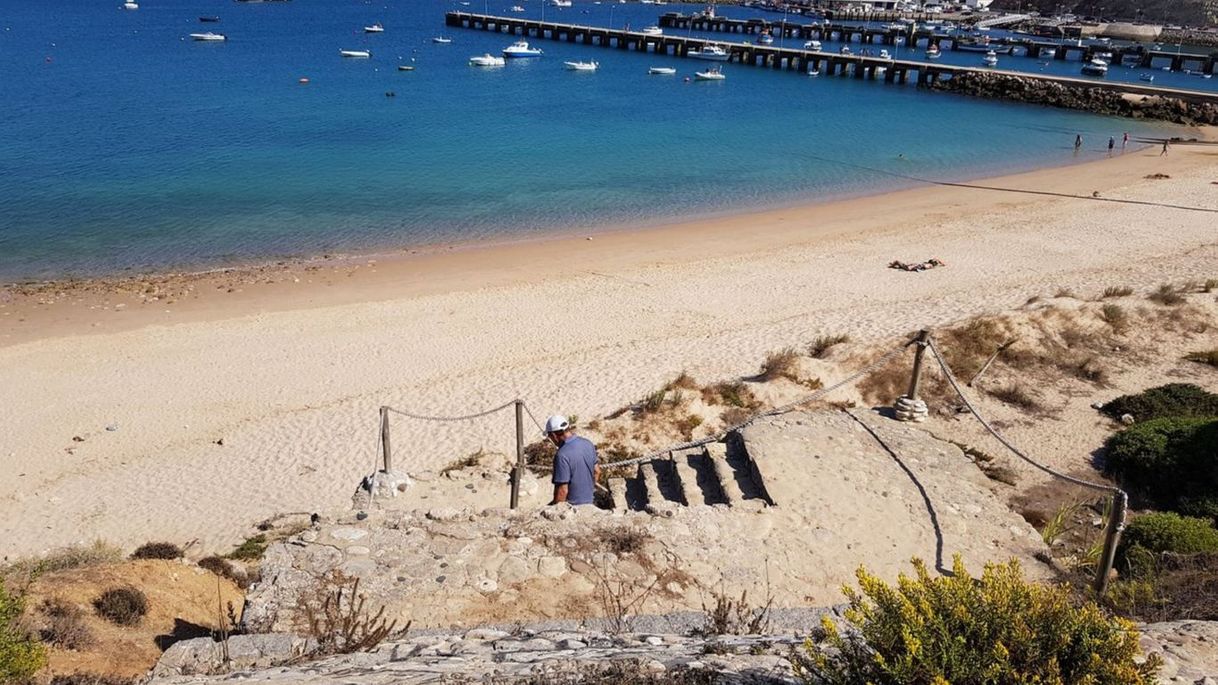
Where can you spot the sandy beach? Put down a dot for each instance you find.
(190, 407)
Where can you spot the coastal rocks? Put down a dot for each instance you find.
(1090, 99)
(204, 655)
(1189, 649)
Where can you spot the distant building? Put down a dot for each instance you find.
(978, 4)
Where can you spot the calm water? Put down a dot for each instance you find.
(124, 145)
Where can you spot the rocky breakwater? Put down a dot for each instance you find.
(1090, 99)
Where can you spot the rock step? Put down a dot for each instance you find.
(726, 477)
(651, 484)
(688, 477)
(617, 494)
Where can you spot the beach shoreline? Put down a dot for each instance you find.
(133, 419)
(37, 309)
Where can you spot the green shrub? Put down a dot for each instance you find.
(21, 656)
(124, 606)
(1174, 399)
(157, 550)
(960, 630)
(250, 550)
(1160, 532)
(1170, 461)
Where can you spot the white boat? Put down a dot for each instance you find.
(405, 67)
(845, 50)
(1149, 78)
(712, 74)
(662, 71)
(130, 6)
(560, 3)
(521, 49)
(712, 52)
(516, 8)
(375, 28)
(813, 45)
(442, 40)
(364, 54)
(933, 52)
(1106, 56)
(1096, 67)
(652, 31)
(765, 38)
(814, 72)
(487, 60)
(884, 54)
(209, 37)
(990, 59)
(582, 66)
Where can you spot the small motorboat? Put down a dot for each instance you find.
(1149, 78)
(845, 50)
(812, 45)
(521, 49)
(990, 59)
(405, 67)
(1105, 55)
(358, 54)
(814, 72)
(209, 20)
(662, 71)
(884, 54)
(765, 38)
(712, 74)
(130, 5)
(652, 31)
(375, 28)
(487, 60)
(560, 3)
(933, 52)
(516, 8)
(712, 52)
(582, 66)
(209, 37)
(1096, 67)
(441, 40)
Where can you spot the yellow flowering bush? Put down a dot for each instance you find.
(998, 629)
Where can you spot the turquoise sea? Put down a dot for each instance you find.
(124, 145)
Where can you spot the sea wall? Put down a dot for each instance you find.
(1098, 100)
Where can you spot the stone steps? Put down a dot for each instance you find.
(716, 474)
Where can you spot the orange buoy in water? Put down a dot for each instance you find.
(304, 80)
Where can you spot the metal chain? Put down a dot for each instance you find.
(951, 379)
(479, 415)
(769, 412)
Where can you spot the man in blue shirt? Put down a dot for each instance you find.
(575, 467)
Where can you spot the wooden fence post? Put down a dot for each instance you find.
(915, 381)
(1112, 537)
(519, 471)
(386, 451)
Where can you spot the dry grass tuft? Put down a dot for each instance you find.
(1210, 285)
(683, 381)
(730, 393)
(65, 625)
(85, 678)
(123, 606)
(1203, 357)
(1168, 295)
(623, 540)
(337, 618)
(65, 559)
(467, 462)
(820, 347)
(158, 550)
(1015, 396)
(1066, 293)
(1115, 316)
(781, 364)
(734, 415)
(1116, 291)
(735, 617)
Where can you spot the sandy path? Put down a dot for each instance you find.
(292, 383)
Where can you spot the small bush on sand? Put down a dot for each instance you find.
(1066, 293)
(1164, 401)
(1209, 357)
(734, 416)
(735, 616)
(1117, 291)
(1170, 462)
(251, 550)
(157, 550)
(1015, 396)
(731, 393)
(683, 381)
(1159, 532)
(21, 656)
(821, 345)
(337, 618)
(539, 456)
(622, 540)
(1167, 294)
(123, 606)
(67, 558)
(1210, 285)
(65, 625)
(225, 569)
(781, 364)
(1115, 316)
(999, 628)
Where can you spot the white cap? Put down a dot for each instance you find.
(557, 424)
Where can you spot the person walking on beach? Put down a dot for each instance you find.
(575, 467)
(1164, 148)
(1078, 141)
(1125, 140)
(1111, 144)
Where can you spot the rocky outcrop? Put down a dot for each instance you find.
(1089, 99)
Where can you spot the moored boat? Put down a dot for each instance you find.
(765, 38)
(355, 53)
(662, 71)
(560, 3)
(209, 20)
(487, 60)
(1149, 78)
(209, 37)
(516, 8)
(710, 51)
(990, 59)
(813, 45)
(375, 28)
(933, 52)
(712, 74)
(652, 31)
(441, 40)
(131, 5)
(521, 49)
(581, 66)
(405, 67)
(1096, 67)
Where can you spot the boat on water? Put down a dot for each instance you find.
(1105, 55)
(209, 20)
(405, 67)
(131, 6)
(814, 72)
(652, 31)
(582, 66)
(712, 52)
(209, 37)
(516, 8)
(845, 50)
(985, 47)
(441, 40)
(375, 28)
(1149, 78)
(813, 45)
(884, 54)
(933, 52)
(662, 71)
(990, 59)
(487, 60)
(521, 49)
(765, 38)
(1095, 67)
(560, 3)
(364, 54)
(712, 74)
